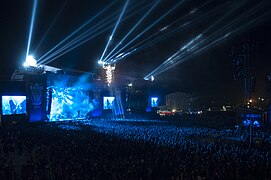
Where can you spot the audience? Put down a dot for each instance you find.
(120, 149)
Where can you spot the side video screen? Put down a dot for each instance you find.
(13, 105)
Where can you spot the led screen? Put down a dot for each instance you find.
(13, 105)
(154, 102)
(108, 102)
(69, 103)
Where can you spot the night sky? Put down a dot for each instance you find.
(208, 73)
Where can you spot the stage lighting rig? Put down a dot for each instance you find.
(31, 66)
(109, 70)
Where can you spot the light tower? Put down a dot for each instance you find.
(109, 72)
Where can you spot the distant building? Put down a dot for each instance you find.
(178, 101)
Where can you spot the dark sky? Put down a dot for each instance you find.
(208, 73)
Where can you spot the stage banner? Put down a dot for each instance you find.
(37, 98)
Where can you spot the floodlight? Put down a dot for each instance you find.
(152, 78)
(100, 62)
(145, 78)
(30, 61)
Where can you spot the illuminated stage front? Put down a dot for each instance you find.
(72, 97)
(56, 96)
(70, 103)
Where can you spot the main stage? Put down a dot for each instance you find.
(62, 95)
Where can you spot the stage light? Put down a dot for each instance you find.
(152, 78)
(101, 62)
(130, 84)
(30, 61)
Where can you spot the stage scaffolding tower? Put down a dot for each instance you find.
(243, 64)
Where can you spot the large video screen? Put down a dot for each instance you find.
(154, 102)
(69, 103)
(108, 102)
(13, 105)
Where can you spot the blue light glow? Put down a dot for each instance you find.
(13, 105)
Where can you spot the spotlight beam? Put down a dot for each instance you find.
(219, 39)
(240, 18)
(136, 48)
(114, 30)
(171, 32)
(50, 26)
(186, 49)
(100, 25)
(214, 39)
(81, 40)
(252, 22)
(182, 57)
(89, 32)
(78, 29)
(167, 62)
(31, 27)
(158, 20)
(251, 14)
(225, 16)
(134, 27)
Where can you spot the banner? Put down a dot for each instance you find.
(37, 98)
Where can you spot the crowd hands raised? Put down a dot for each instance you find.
(127, 150)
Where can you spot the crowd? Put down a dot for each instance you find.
(127, 150)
